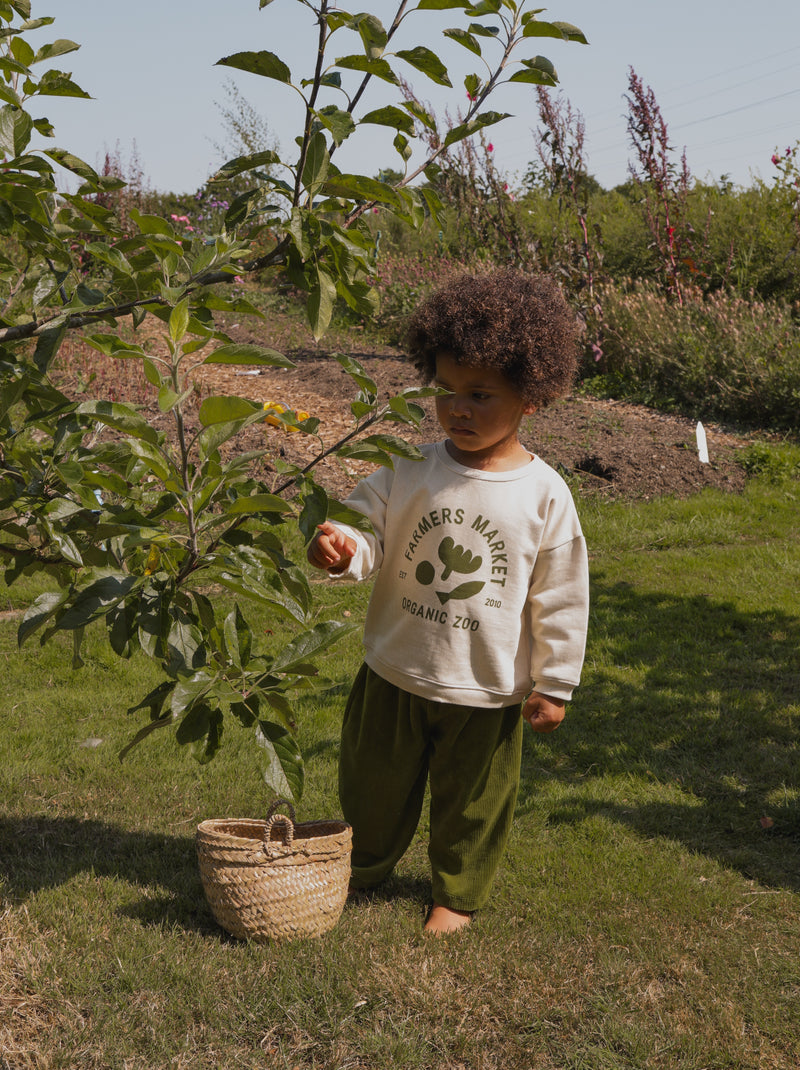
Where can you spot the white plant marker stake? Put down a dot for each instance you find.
(702, 445)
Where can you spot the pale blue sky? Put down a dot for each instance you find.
(726, 75)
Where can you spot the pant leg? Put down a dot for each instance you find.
(383, 770)
(474, 778)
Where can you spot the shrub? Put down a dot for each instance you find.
(402, 281)
(720, 355)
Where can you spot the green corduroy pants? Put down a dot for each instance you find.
(392, 742)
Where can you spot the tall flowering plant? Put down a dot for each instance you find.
(787, 180)
(665, 190)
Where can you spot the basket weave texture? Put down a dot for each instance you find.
(274, 879)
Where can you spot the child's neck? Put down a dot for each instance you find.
(510, 456)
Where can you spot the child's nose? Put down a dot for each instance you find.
(459, 405)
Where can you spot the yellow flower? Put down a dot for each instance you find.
(300, 415)
(275, 407)
(272, 406)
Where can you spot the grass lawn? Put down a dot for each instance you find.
(647, 914)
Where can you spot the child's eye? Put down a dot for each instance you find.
(477, 396)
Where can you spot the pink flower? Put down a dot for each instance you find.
(490, 147)
(775, 158)
(471, 96)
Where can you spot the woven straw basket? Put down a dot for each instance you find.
(274, 879)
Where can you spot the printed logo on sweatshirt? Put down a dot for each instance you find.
(443, 564)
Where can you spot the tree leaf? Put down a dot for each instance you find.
(564, 31)
(472, 126)
(73, 163)
(343, 514)
(314, 511)
(250, 162)
(205, 748)
(47, 346)
(377, 67)
(143, 733)
(420, 113)
(427, 62)
(321, 300)
(265, 64)
(121, 625)
(154, 700)
(258, 503)
(238, 637)
(222, 409)
(179, 320)
(390, 116)
(538, 71)
(464, 38)
(394, 444)
(56, 48)
(234, 353)
(58, 84)
(15, 130)
(95, 599)
(120, 417)
(281, 761)
(112, 256)
(339, 123)
(151, 224)
(195, 724)
(308, 646)
(357, 373)
(365, 451)
(188, 691)
(185, 647)
(317, 162)
(373, 35)
(41, 610)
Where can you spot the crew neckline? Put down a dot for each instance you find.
(480, 473)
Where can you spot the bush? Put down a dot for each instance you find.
(718, 356)
(402, 281)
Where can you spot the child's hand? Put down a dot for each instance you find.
(542, 713)
(331, 549)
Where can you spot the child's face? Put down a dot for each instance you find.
(480, 415)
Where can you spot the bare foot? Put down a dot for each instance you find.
(444, 920)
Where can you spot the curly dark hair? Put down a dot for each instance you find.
(516, 323)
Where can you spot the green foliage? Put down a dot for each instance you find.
(139, 527)
(717, 355)
(775, 463)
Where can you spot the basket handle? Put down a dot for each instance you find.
(280, 821)
(278, 804)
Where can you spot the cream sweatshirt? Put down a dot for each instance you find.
(482, 581)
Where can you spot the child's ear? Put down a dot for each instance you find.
(530, 409)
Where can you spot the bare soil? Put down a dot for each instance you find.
(612, 448)
(609, 448)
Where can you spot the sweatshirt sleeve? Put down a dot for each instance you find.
(369, 498)
(558, 608)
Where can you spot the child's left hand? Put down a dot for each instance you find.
(543, 714)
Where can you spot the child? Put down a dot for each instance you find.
(480, 604)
